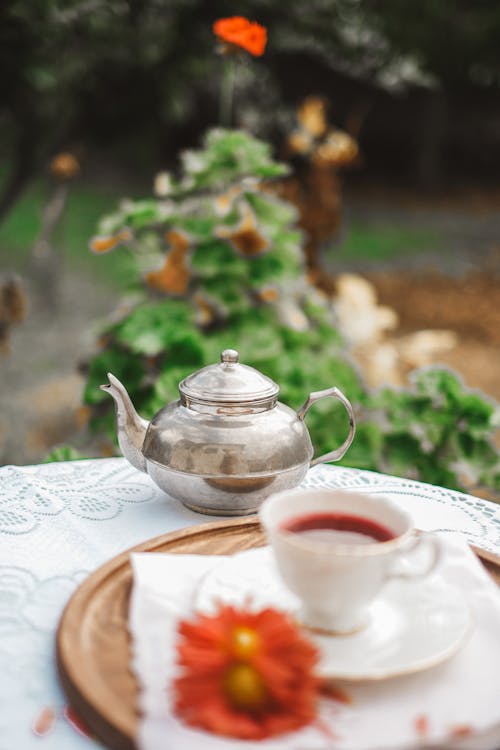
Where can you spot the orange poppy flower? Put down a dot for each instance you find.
(241, 32)
(245, 674)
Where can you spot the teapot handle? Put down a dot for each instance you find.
(337, 454)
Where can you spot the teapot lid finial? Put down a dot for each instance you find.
(229, 356)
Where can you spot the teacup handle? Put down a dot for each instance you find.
(421, 538)
(337, 454)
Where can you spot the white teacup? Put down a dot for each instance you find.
(337, 582)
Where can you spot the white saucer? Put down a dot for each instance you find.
(413, 625)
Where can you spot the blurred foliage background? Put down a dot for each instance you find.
(138, 79)
(124, 87)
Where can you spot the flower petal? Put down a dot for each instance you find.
(242, 33)
(276, 689)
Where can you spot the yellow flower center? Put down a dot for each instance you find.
(245, 687)
(246, 642)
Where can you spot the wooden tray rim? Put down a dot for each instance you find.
(73, 677)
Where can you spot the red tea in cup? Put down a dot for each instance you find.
(338, 528)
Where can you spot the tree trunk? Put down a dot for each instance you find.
(22, 172)
(431, 138)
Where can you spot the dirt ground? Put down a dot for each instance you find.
(469, 306)
(40, 388)
(454, 286)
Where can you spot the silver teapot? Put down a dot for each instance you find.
(227, 443)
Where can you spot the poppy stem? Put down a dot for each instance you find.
(227, 92)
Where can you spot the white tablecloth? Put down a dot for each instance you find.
(58, 522)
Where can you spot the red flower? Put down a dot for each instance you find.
(244, 674)
(241, 32)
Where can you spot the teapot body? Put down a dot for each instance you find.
(226, 463)
(227, 443)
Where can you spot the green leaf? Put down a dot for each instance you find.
(124, 365)
(271, 212)
(227, 294)
(440, 384)
(199, 228)
(139, 214)
(278, 265)
(402, 453)
(216, 259)
(166, 387)
(476, 415)
(366, 450)
(151, 328)
(227, 157)
(63, 453)
(187, 348)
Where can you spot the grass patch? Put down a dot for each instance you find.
(85, 206)
(362, 241)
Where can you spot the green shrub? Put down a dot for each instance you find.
(233, 277)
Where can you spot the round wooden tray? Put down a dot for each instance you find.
(93, 640)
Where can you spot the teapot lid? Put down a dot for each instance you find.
(230, 384)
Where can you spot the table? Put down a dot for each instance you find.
(60, 521)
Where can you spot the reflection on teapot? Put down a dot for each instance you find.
(227, 443)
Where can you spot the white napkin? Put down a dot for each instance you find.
(465, 691)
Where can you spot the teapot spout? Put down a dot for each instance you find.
(130, 426)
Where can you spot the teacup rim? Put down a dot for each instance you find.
(344, 549)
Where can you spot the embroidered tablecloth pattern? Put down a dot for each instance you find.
(60, 521)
